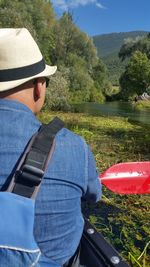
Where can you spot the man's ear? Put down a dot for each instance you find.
(37, 89)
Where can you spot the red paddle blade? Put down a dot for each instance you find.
(128, 178)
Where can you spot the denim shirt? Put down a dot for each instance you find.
(71, 176)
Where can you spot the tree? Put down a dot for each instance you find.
(57, 93)
(75, 50)
(136, 78)
(81, 82)
(69, 39)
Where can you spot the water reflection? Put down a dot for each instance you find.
(115, 109)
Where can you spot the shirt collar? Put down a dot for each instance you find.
(12, 104)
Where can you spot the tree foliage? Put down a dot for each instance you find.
(74, 50)
(136, 78)
(57, 93)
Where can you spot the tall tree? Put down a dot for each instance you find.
(69, 39)
(136, 78)
(75, 50)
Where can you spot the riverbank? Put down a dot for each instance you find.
(142, 105)
(124, 220)
(115, 108)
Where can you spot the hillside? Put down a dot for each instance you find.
(110, 43)
(108, 46)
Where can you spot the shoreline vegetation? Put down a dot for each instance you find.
(122, 219)
(142, 105)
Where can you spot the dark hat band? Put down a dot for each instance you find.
(8, 75)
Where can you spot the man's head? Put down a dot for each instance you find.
(23, 71)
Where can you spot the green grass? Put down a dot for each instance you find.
(122, 219)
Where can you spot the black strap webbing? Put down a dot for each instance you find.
(28, 176)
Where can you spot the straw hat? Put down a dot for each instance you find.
(20, 59)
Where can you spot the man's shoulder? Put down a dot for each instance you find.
(67, 135)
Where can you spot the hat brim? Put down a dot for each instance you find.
(48, 71)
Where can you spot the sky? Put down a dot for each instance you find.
(106, 16)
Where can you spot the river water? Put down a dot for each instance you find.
(122, 109)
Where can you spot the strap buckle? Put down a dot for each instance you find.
(29, 175)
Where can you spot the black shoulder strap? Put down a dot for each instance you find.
(30, 171)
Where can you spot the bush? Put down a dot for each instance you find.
(57, 94)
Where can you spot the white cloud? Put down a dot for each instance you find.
(99, 5)
(66, 4)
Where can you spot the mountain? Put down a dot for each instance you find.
(111, 43)
(108, 46)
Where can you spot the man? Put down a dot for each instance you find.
(71, 174)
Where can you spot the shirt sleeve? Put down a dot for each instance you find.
(94, 187)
